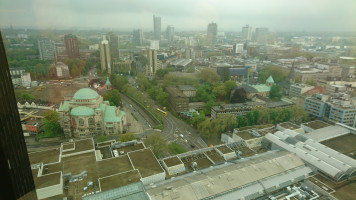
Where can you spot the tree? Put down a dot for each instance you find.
(143, 82)
(27, 96)
(213, 128)
(118, 81)
(102, 138)
(275, 92)
(157, 143)
(52, 129)
(219, 91)
(176, 148)
(197, 119)
(277, 74)
(161, 72)
(241, 121)
(113, 97)
(51, 116)
(229, 86)
(250, 118)
(127, 137)
(209, 75)
(238, 96)
(298, 115)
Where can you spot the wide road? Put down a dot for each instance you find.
(181, 133)
(174, 129)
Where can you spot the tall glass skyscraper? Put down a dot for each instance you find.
(156, 28)
(16, 180)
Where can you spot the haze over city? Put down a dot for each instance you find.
(185, 15)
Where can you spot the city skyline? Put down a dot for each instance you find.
(229, 15)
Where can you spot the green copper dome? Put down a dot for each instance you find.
(85, 93)
(82, 111)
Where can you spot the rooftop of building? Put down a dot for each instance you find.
(172, 161)
(326, 133)
(300, 85)
(317, 124)
(46, 180)
(214, 181)
(237, 106)
(119, 180)
(175, 92)
(145, 161)
(289, 125)
(344, 190)
(182, 62)
(317, 90)
(344, 144)
(79, 146)
(130, 148)
(45, 157)
(224, 149)
(186, 88)
(262, 87)
(85, 93)
(270, 79)
(111, 116)
(82, 111)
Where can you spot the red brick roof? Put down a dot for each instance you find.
(317, 89)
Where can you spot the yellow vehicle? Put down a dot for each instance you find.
(161, 111)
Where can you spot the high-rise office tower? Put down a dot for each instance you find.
(156, 28)
(189, 53)
(247, 32)
(114, 46)
(261, 35)
(212, 33)
(16, 176)
(71, 44)
(152, 65)
(154, 44)
(105, 57)
(170, 33)
(137, 37)
(46, 49)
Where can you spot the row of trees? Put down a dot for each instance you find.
(211, 128)
(155, 91)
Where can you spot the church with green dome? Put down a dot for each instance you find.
(87, 114)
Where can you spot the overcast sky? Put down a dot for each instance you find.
(230, 15)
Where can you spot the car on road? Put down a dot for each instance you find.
(181, 135)
(192, 145)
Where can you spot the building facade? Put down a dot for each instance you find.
(235, 109)
(105, 57)
(114, 46)
(87, 114)
(299, 89)
(178, 100)
(46, 49)
(342, 114)
(152, 65)
(16, 176)
(261, 35)
(247, 32)
(211, 34)
(71, 44)
(331, 109)
(170, 33)
(137, 38)
(316, 107)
